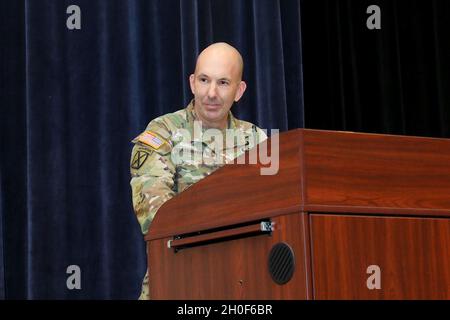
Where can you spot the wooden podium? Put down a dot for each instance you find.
(348, 216)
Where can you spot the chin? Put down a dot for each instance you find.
(213, 116)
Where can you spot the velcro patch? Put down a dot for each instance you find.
(151, 139)
(139, 158)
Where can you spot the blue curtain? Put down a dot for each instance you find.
(2, 264)
(71, 101)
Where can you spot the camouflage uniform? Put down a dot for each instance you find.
(157, 175)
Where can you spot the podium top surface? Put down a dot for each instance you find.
(319, 171)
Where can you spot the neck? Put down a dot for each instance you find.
(214, 125)
(220, 125)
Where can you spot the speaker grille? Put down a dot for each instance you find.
(281, 263)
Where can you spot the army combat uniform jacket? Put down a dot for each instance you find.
(175, 152)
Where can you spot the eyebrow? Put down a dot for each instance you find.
(205, 75)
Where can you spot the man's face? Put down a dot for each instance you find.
(216, 84)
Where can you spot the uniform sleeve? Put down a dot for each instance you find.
(152, 178)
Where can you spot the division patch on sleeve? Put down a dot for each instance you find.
(151, 139)
(139, 159)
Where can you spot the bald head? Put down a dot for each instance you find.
(223, 54)
(217, 83)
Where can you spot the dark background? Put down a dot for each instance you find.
(71, 101)
(394, 80)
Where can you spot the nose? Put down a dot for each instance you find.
(212, 91)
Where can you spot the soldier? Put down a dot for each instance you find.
(178, 149)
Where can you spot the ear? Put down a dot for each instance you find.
(192, 83)
(240, 91)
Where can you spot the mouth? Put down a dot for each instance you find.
(212, 106)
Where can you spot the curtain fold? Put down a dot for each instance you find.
(13, 148)
(2, 260)
(71, 102)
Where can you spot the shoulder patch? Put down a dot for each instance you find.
(151, 139)
(139, 159)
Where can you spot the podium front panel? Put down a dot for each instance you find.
(234, 269)
(363, 257)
